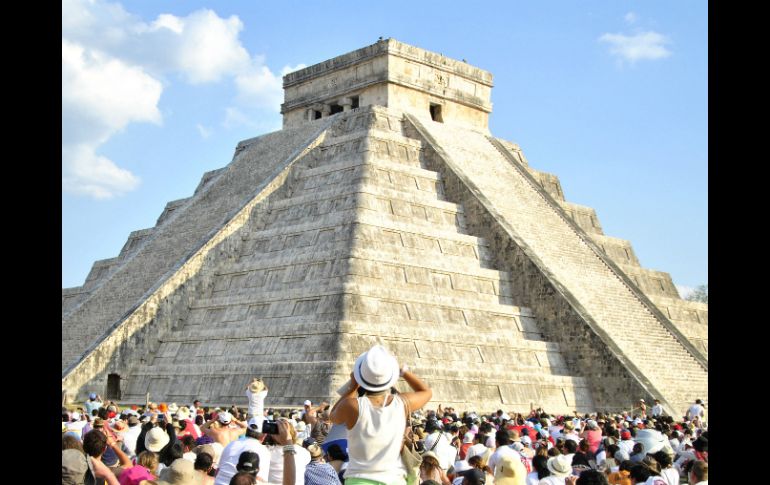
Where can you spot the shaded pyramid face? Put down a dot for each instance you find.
(379, 225)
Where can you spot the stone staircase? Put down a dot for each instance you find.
(363, 248)
(613, 307)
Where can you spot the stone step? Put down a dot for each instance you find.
(545, 230)
(387, 203)
(418, 181)
(394, 331)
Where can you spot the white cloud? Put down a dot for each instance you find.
(112, 65)
(260, 88)
(201, 46)
(86, 173)
(100, 96)
(684, 291)
(204, 47)
(640, 46)
(630, 17)
(204, 132)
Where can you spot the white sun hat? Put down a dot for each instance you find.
(376, 369)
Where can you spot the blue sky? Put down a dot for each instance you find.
(610, 96)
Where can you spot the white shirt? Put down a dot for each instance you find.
(374, 442)
(443, 449)
(477, 449)
(551, 480)
(130, 437)
(627, 445)
(76, 426)
(532, 479)
(257, 406)
(232, 452)
(670, 475)
(657, 410)
(695, 410)
(498, 455)
(301, 459)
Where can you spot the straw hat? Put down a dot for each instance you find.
(256, 385)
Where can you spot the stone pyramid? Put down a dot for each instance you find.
(383, 212)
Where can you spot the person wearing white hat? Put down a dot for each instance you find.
(224, 429)
(229, 459)
(560, 468)
(376, 420)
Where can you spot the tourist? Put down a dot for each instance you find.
(229, 459)
(224, 429)
(377, 419)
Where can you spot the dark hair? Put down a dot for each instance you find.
(640, 473)
(188, 441)
(94, 443)
(102, 413)
(199, 420)
(502, 438)
(336, 452)
(69, 442)
(663, 459)
(701, 444)
(243, 478)
(540, 464)
(592, 477)
(554, 451)
(204, 462)
(570, 446)
(174, 452)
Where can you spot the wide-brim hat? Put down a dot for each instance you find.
(183, 413)
(431, 455)
(172, 408)
(652, 440)
(181, 472)
(156, 439)
(559, 465)
(376, 369)
(256, 385)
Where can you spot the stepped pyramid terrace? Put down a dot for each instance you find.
(383, 212)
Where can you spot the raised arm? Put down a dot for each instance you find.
(345, 411)
(283, 438)
(420, 394)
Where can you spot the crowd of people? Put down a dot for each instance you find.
(374, 435)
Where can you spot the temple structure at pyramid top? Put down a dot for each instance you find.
(395, 75)
(383, 212)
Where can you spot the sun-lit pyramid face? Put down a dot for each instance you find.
(390, 73)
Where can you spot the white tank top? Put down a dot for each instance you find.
(374, 443)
